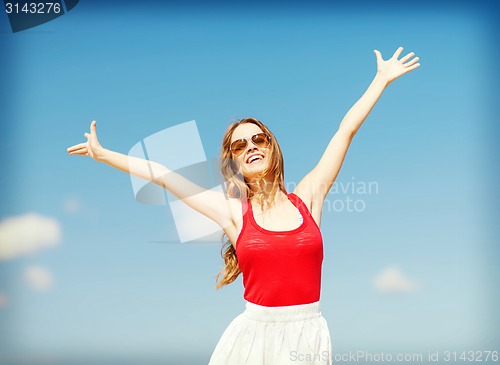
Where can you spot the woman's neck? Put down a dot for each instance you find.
(263, 193)
(260, 186)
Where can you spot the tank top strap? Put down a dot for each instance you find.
(246, 207)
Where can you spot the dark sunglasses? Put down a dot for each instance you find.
(259, 139)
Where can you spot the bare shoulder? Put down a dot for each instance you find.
(235, 206)
(233, 228)
(315, 205)
(303, 191)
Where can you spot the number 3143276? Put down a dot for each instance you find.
(33, 8)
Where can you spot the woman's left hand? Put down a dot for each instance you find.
(391, 69)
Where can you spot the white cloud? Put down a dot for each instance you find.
(27, 234)
(393, 280)
(38, 278)
(3, 300)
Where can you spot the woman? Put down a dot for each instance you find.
(273, 236)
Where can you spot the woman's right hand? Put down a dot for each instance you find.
(90, 148)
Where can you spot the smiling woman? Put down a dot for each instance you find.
(250, 150)
(273, 236)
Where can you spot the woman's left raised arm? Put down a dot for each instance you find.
(319, 181)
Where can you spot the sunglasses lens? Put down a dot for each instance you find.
(238, 146)
(260, 140)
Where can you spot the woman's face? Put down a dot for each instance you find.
(253, 159)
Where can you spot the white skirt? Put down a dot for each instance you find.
(296, 334)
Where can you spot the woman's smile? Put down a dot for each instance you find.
(255, 158)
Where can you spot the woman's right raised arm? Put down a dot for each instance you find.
(212, 204)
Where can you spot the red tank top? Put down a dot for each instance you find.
(280, 268)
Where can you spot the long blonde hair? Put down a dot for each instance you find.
(236, 187)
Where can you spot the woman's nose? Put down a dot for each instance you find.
(251, 146)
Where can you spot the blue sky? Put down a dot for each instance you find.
(106, 284)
